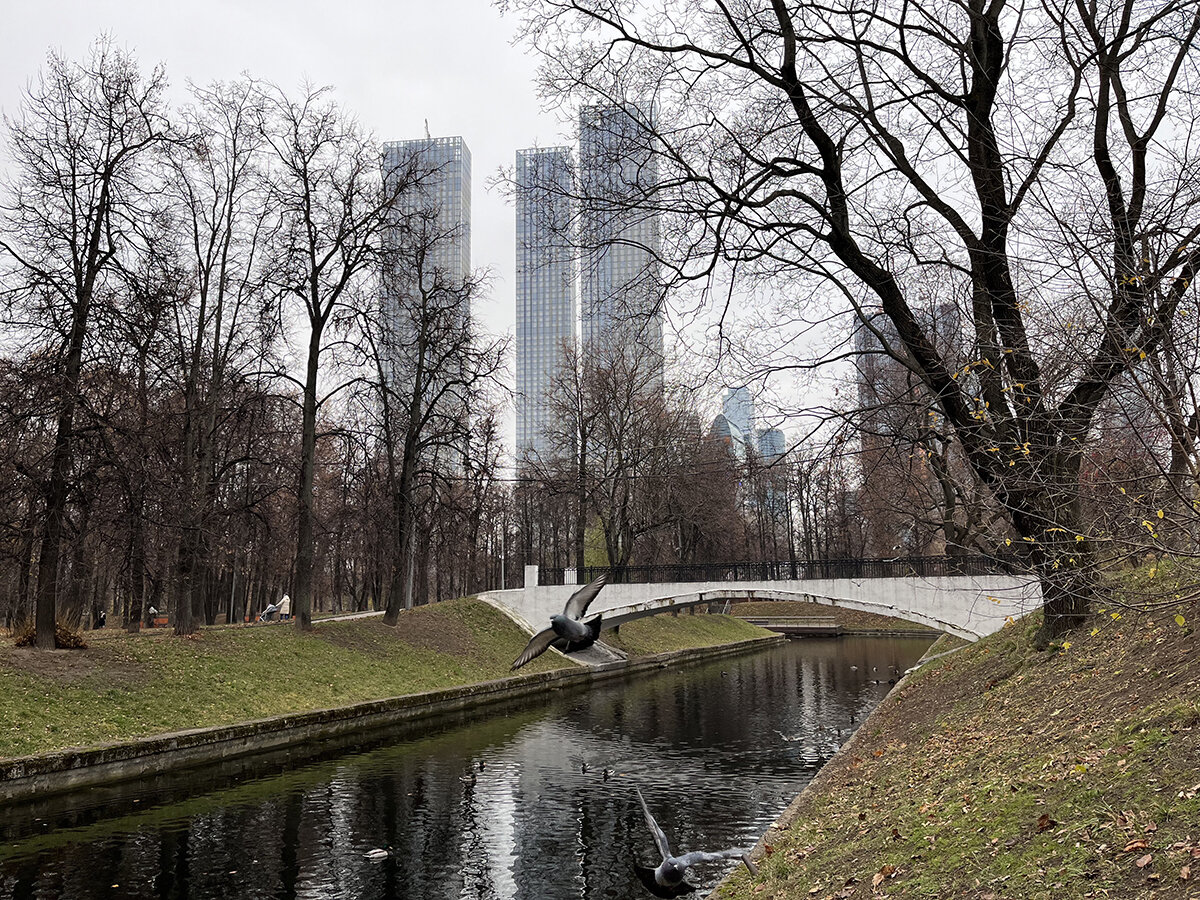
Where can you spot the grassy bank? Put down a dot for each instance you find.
(129, 686)
(850, 619)
(659, 634)
(1003, 772)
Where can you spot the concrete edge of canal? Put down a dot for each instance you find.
(63, 771)
(818, 783)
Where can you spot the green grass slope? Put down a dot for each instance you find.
(1004, 772)
(127, 686)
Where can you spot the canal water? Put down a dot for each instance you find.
(532, 800)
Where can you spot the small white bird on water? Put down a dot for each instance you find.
(378, 854)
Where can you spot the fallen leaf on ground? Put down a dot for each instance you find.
(1144, 861)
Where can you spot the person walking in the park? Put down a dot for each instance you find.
(285, 608)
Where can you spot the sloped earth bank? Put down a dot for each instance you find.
(1003, 772)
(127, 686)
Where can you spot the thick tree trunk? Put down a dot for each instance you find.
(185, 585)
(25, 575)
(581, 507)
(137, 572)
(57, 488)
(1050, 522)
(1067, 595)
(303, 585)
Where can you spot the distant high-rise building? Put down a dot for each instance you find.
(546, 304)
(620, 283)
(443, 166)
(894, 417)
(771, 444)
(430, 243)
(431, 222)
(738, 408)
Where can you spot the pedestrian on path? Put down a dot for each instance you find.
(285, 608)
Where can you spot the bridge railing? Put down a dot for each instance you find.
(894, 567)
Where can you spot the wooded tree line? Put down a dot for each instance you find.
(204, 403)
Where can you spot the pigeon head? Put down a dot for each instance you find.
(671, 872)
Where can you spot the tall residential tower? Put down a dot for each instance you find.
(546, 306)
(442, 166)
(429, 236)
(620, 284)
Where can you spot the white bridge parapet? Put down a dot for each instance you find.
(969, 606)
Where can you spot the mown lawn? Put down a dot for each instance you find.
(125, 686)
(1005, 772)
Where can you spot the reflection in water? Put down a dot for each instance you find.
(513, 804)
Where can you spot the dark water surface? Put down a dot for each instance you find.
(496, 805)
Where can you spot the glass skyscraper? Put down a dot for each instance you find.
(620, 284)
(429, 237)
(546, 305)
(443, 194)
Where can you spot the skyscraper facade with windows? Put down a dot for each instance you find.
(620, 283)
(545, 287)
(429, 237)
(442, 169)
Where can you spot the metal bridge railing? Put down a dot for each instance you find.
(895, 567)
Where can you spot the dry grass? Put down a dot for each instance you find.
(1004, 772)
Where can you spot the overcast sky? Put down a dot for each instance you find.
(394, 64)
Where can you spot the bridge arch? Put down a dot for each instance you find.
(969, 606)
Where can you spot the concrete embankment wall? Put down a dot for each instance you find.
(69, 770)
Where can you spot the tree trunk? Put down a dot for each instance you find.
(137, 573)
(303, 585)
(56, 490)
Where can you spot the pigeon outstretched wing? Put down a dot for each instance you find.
(699, 856)
(538, 644)
(579, 601)
(660, 838)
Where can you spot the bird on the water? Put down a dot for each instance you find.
(568, 632)
(378, 854)
(667, 879)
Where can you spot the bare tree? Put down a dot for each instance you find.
(70, 220)
(1038, 157)
(215, 179)
(430, 367)
(326, 192)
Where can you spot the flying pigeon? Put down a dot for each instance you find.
(667, 880)
(568, 632)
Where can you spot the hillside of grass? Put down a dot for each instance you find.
(661, 633)
(126, 686)
(1004, 772)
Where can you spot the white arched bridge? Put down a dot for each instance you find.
(968, 597)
